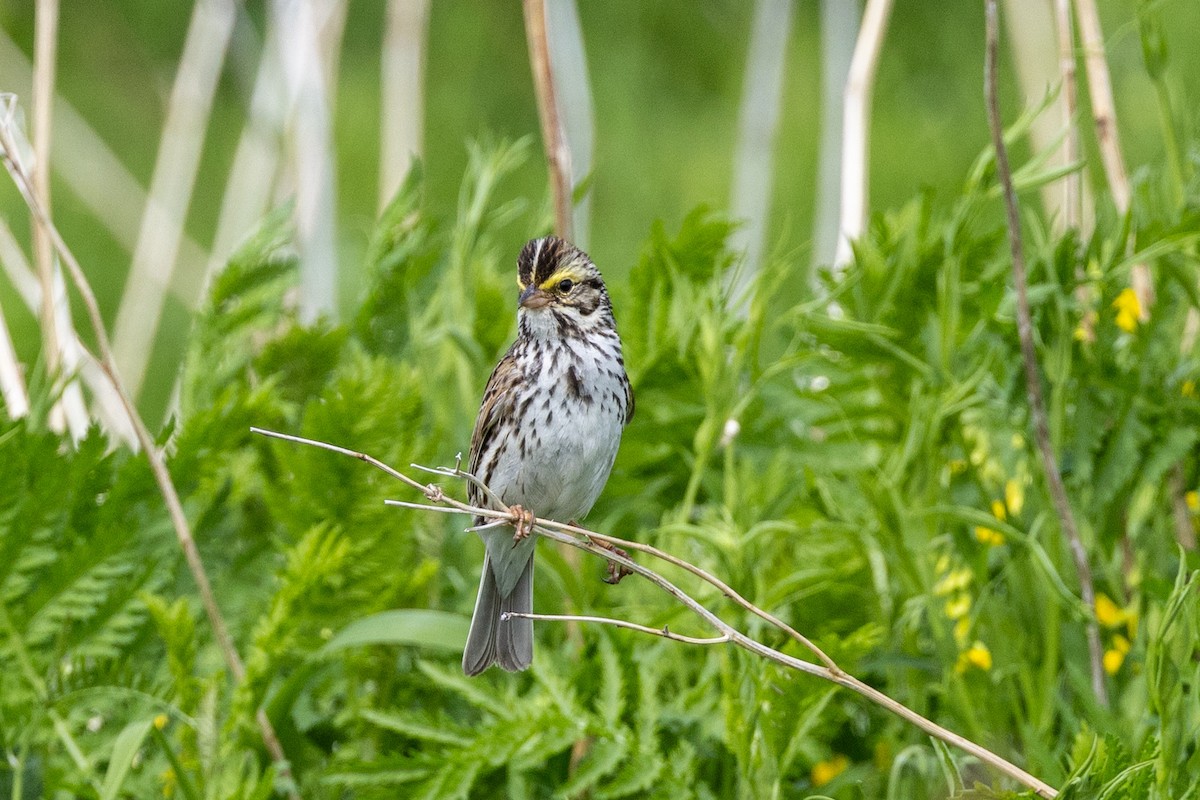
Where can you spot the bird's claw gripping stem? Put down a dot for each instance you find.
(523, 522)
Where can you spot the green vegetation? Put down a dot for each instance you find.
(881, 496)
(856, 459)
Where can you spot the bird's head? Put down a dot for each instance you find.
(561, 291)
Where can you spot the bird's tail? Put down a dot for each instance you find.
(508, 643)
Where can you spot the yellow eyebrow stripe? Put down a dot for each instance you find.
(574, 274)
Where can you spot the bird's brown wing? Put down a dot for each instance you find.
(497, 405)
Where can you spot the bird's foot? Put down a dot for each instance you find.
(615, 571)
(523, 523)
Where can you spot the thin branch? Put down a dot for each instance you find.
(663, 632)
(585, 540)
(856, 126)
(158, 467)
(1033, 383)
(558, 156)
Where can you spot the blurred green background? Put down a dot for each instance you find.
(666, 80)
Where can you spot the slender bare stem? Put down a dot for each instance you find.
(856, 126)
(558, 155)
(585, 540)
(664, 632)
(41, 102)
(158, 467)
(1033, 383)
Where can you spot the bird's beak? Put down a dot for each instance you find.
(533, 298)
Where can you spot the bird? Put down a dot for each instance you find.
(546, 435)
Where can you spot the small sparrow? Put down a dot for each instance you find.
(546, 435)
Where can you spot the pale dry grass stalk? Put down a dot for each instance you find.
(175, 169)
(158, 467)
(558, 156)
(568, 61)
(305, 29)
(402, 86)
(256, 160)
(1033, 381)
(68, 411)
(106, 405)
(839, 28)
(12, 377)
(1044, 65)
(1104, 115)
(586, 541)
(754, 158)
(41, 104)
(1076, 198)
(856, 126)
(94, 174)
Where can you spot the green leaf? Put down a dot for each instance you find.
(123, 752)
(436, 630)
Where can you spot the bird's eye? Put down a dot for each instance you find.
(565, 285)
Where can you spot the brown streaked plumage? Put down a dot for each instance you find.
(547, 432)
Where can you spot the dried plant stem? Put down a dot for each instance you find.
(158, 466)
(586, 540)
(1104, 115)
(12, 381)
(402, 85)
(1033, 385)
(558, 155)
(1072, 184)
(856, 126)
(175, 170)
(41, 102)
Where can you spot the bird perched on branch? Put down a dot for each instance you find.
(546, 435)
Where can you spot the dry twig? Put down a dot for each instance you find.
(587, 540)
(1033, 384)
(158, 466)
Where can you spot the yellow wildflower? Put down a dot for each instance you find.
(1014, 496)
(825, 771)
(1129, 310)
(953, 581)
(999, 511)
(1114, 656)
(989, 536)
(958, 607)
(1108, 613)
(160, 721)
(1193, 500)
(977, 656)
(1188, 389)
(961, 629)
